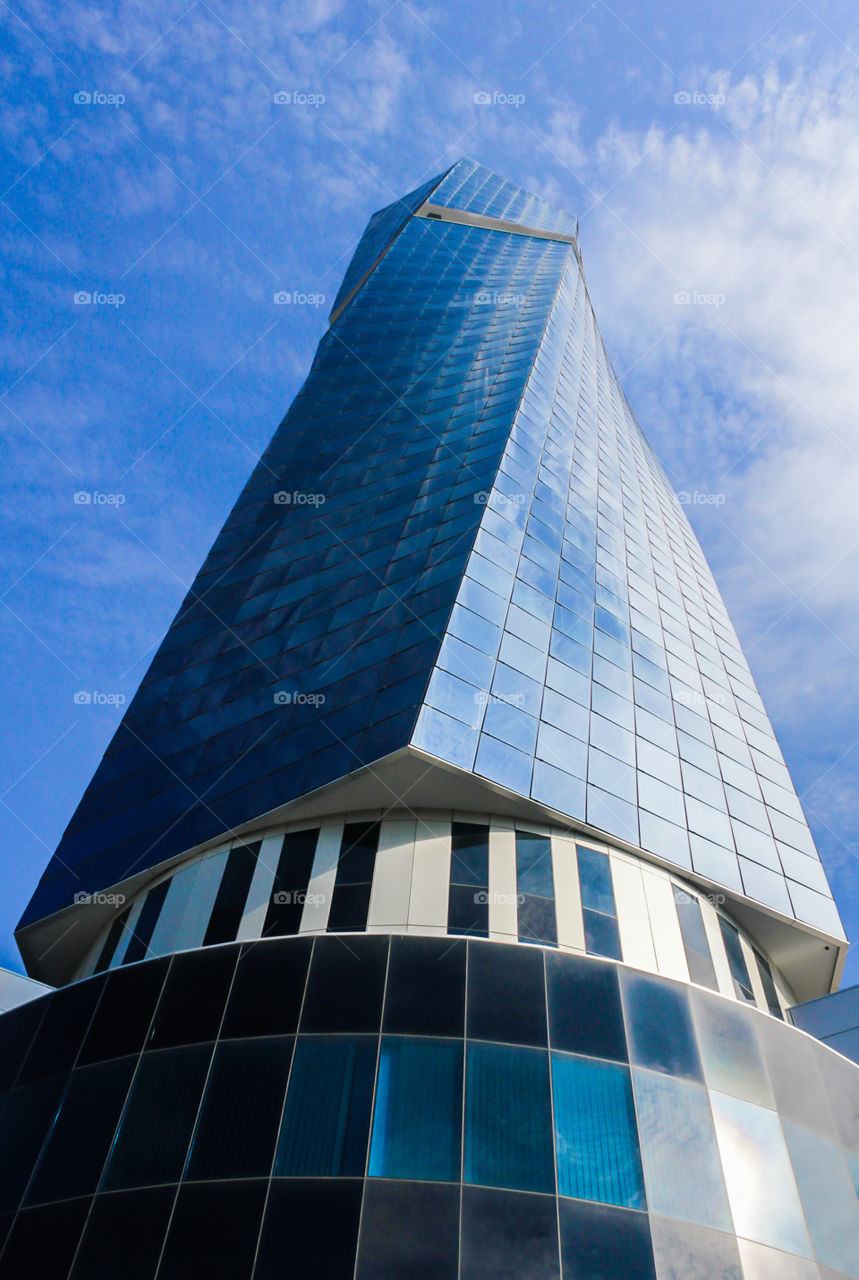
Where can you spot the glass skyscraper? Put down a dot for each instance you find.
(435, 909)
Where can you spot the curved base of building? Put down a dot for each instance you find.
(367, 1106)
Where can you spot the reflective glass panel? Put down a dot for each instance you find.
(327, 1113)
(595, 1133)
(508, 1128)
(417, 1121)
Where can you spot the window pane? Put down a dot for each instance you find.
(344, 989)
(192, 1003)
(43, 1242)
(290, 883)
(736, 961)
(595, 1133)
(238, 1123)
(268, 988)
(409, 1231)
(506, 996)
(508, 1234)
(686, 1252)
(601, 1242)
(828, 1197)
(74, 1157)
(773, 1003)
(469, 861)
(761, 1186)
(660, 1026)
(232, 894)
(508, 1136)
(695, 942)
(417, 1124)
(310, 1230)
(678, 1149)
(595, 880)
(115, 1221)
(585, 1013)
(468, 911)
(213, 1232)
(24, 1123)
(327, 1114)
(111, 942)
(121, 1020)
(732, 1058)
(426, 987)
(602, 937)
(155, 1130)
(146, 922)
(534, 864)
(350, 899)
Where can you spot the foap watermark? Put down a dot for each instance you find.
(509, 699)
(95, 498)
(295, 298)
(297, 98)
(695, 698)
(283, 498)
(482, 898)
(715, 899)
(495, 98)
(95, 98)
(697, 498)
(694, 298)
(691, 98)
(494, 498)
(288, 897)
(94, 698)
(93, 298)
(295, 698)
(499, 298)
(100, 899)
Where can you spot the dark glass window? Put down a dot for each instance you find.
(327, 1113)
(506, 995)
(213, 1231)
(232, 894)
(602, 937)
(17, 1029)
(508, 1127)
(24, 1125)
(310, 1230)
(142, 932)
(409, 1230)
(350, 900)
(153, 1136)
(736, 961)
(43, 1242)
(695, 942)
(536, 887)
(268, 988)
(585, 1014)
(56, 1043)
(290, 883)
(425, 987)
(124, 1234)
(417, 1120)
(659, 1024)
(468, 904)
(595, 1132)
(507, 1234)
(121, 1020)
(111, 942)
(75, 1153)
(770, 992)
(344, 989)
(237, 1128)
(605, 1242)
(192, 1002)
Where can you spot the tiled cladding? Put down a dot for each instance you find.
(471, 187)
(419, 1106)
(331, 583)
(381, 230)
(434, 873)
(589, 662)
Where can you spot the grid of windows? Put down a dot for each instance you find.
(519, 1086)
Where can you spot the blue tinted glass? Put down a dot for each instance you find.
(508, 1128)
(534, 864)
(602, 936)
(659, 1026)
(327, 1113)
(417, 1120)
(595, 880)
(595, 1132)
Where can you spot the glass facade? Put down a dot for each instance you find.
(457, 542)
(524, 1108)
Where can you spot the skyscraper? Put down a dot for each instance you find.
(436, 906)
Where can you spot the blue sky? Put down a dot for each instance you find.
(148, 166)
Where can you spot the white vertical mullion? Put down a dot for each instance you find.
(430, 891)
(317, 904)
(568, 894)
(503, 909)
(259, 893)
(390, 893)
